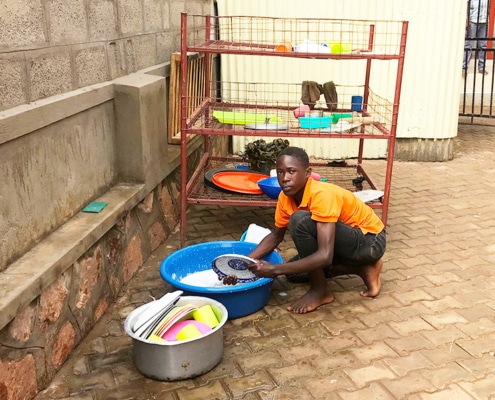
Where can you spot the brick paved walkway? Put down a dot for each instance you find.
(429, 335)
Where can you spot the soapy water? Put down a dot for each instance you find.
(206, 278)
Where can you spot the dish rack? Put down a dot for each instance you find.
(227, 108)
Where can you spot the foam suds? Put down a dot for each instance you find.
(206, 278)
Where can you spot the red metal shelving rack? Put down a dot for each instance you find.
(244, 35)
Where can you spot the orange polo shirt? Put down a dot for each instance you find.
(329, 203)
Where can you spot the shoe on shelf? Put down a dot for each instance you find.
(483, 71)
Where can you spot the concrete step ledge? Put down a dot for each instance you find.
(26, 278)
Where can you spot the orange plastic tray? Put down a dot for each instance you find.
(240, 182)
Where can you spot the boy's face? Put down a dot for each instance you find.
(292, 176)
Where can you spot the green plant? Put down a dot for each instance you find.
(261, 154)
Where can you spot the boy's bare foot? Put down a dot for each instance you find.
(311, 301)
(371, 277)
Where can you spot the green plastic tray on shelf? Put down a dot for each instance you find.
(242, 118)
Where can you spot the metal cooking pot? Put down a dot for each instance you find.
(179, 360)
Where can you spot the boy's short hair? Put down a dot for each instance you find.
(297, 152)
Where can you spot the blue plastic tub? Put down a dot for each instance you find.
(239, 300)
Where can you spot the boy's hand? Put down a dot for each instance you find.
(262, 268)
(229, 280)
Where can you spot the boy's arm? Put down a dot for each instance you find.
(319, 259)
(269, 243)
(322, 257)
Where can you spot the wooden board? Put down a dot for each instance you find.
(195, 91)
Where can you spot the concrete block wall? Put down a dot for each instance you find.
(50, 173)
(50, 47)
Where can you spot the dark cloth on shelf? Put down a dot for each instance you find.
(310, 93)
(331, 97)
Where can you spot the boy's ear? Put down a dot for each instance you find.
(308, 172)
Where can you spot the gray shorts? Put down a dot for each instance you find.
(352, 247)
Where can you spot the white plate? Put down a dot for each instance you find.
(342, 126)
(271, 126)
(154, 308)
(369, 195)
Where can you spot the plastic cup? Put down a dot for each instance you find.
(206, 315)
(337, 116)
(171, 334)
(339, 48)
(356, 103)
(301, 111)
(316, 176)
(217, 311)
(188, 332)
(284, 47)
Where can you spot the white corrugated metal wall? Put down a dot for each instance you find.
(431, 80)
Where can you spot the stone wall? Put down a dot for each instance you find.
(43, 334)
(49, 47)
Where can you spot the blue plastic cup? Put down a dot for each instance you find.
(357, 103)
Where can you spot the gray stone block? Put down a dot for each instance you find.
(152, 15)
(164, 47)
(166, 16)
(176, 7)
(145, 51)
(50, 73)
(102, 19)
(130, 14)
(22, 24)
(68, 21)
(91, 65)
(116, 59)
(140, 126)
(12, 81)
(193, 7)
(130, 56)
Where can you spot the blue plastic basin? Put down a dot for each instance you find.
(239, 300)
(270, 187)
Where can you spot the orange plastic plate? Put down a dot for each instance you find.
(240, 182)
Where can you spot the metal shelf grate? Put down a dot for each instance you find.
(348, 176)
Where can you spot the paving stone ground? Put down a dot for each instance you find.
(429, 335)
